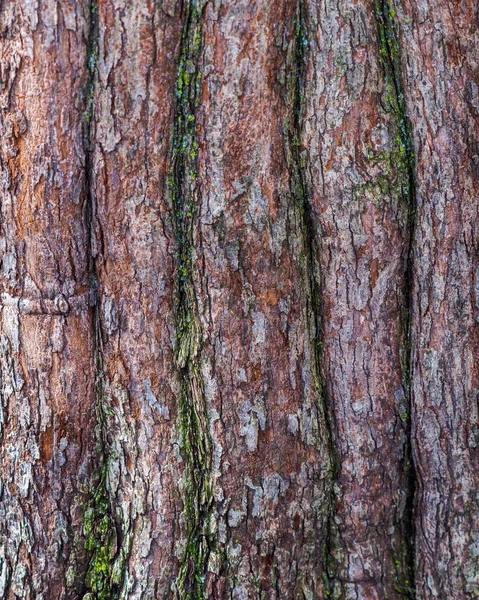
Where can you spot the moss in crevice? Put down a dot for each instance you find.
(193, 422)
(100, 533)
(91, 66)
(403, 162)
(105, 572)
(298, 165)
(401, 158)
(106, 566)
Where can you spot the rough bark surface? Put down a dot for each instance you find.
(47, 377)
(134, 57)
(260, 375)
(440, 65)
(239, 299)
(356, 164)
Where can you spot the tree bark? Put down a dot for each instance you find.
(356, 163)
(440, 76)
(239, 300)
(47, 376)
(134, 53)
(250, 279)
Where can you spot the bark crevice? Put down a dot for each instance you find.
(390, 58)
(105, 573)
(193, 419)
(298, 163)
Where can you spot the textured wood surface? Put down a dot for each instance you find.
(239, 299)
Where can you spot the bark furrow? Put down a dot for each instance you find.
(193, 420)
(298, 160)
(359, 177)
(440, 74)
(98, 527)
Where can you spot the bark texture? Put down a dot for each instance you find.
(356, 164)
(256, 312)
(47, 375)
(239, 299)
(134, 59)
(441, 86)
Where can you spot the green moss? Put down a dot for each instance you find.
(193, 425)
(100, 533)
(105, 572)
(401, 157)
(107, 564)
(403, 584)
(92, 58)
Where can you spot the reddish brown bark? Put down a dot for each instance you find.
(272, 464)
(440, 66)
(225, 324)
(47, 366)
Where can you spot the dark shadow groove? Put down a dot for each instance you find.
(301, 195)
(193, 420)
(390, 58)
(103, 536)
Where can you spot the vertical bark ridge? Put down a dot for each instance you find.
(359, 176)
(390, 57)
(390, 54)
(298, 162)
(195, 439)
(133, 246)
(47, 373)
(271, 464)
(440, 70)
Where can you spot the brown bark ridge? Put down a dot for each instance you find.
(440, 64)
(47, 378)
(135, 54)
(251, 380)
(358, 176)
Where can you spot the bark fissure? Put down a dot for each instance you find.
(197, 449)
(104, 573)
(299, 188)
(389, 55)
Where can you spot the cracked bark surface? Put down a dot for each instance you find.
(441, 87)
(47, 376)
(360, 202)
(238, 330)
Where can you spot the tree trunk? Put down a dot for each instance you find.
(239, 300)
